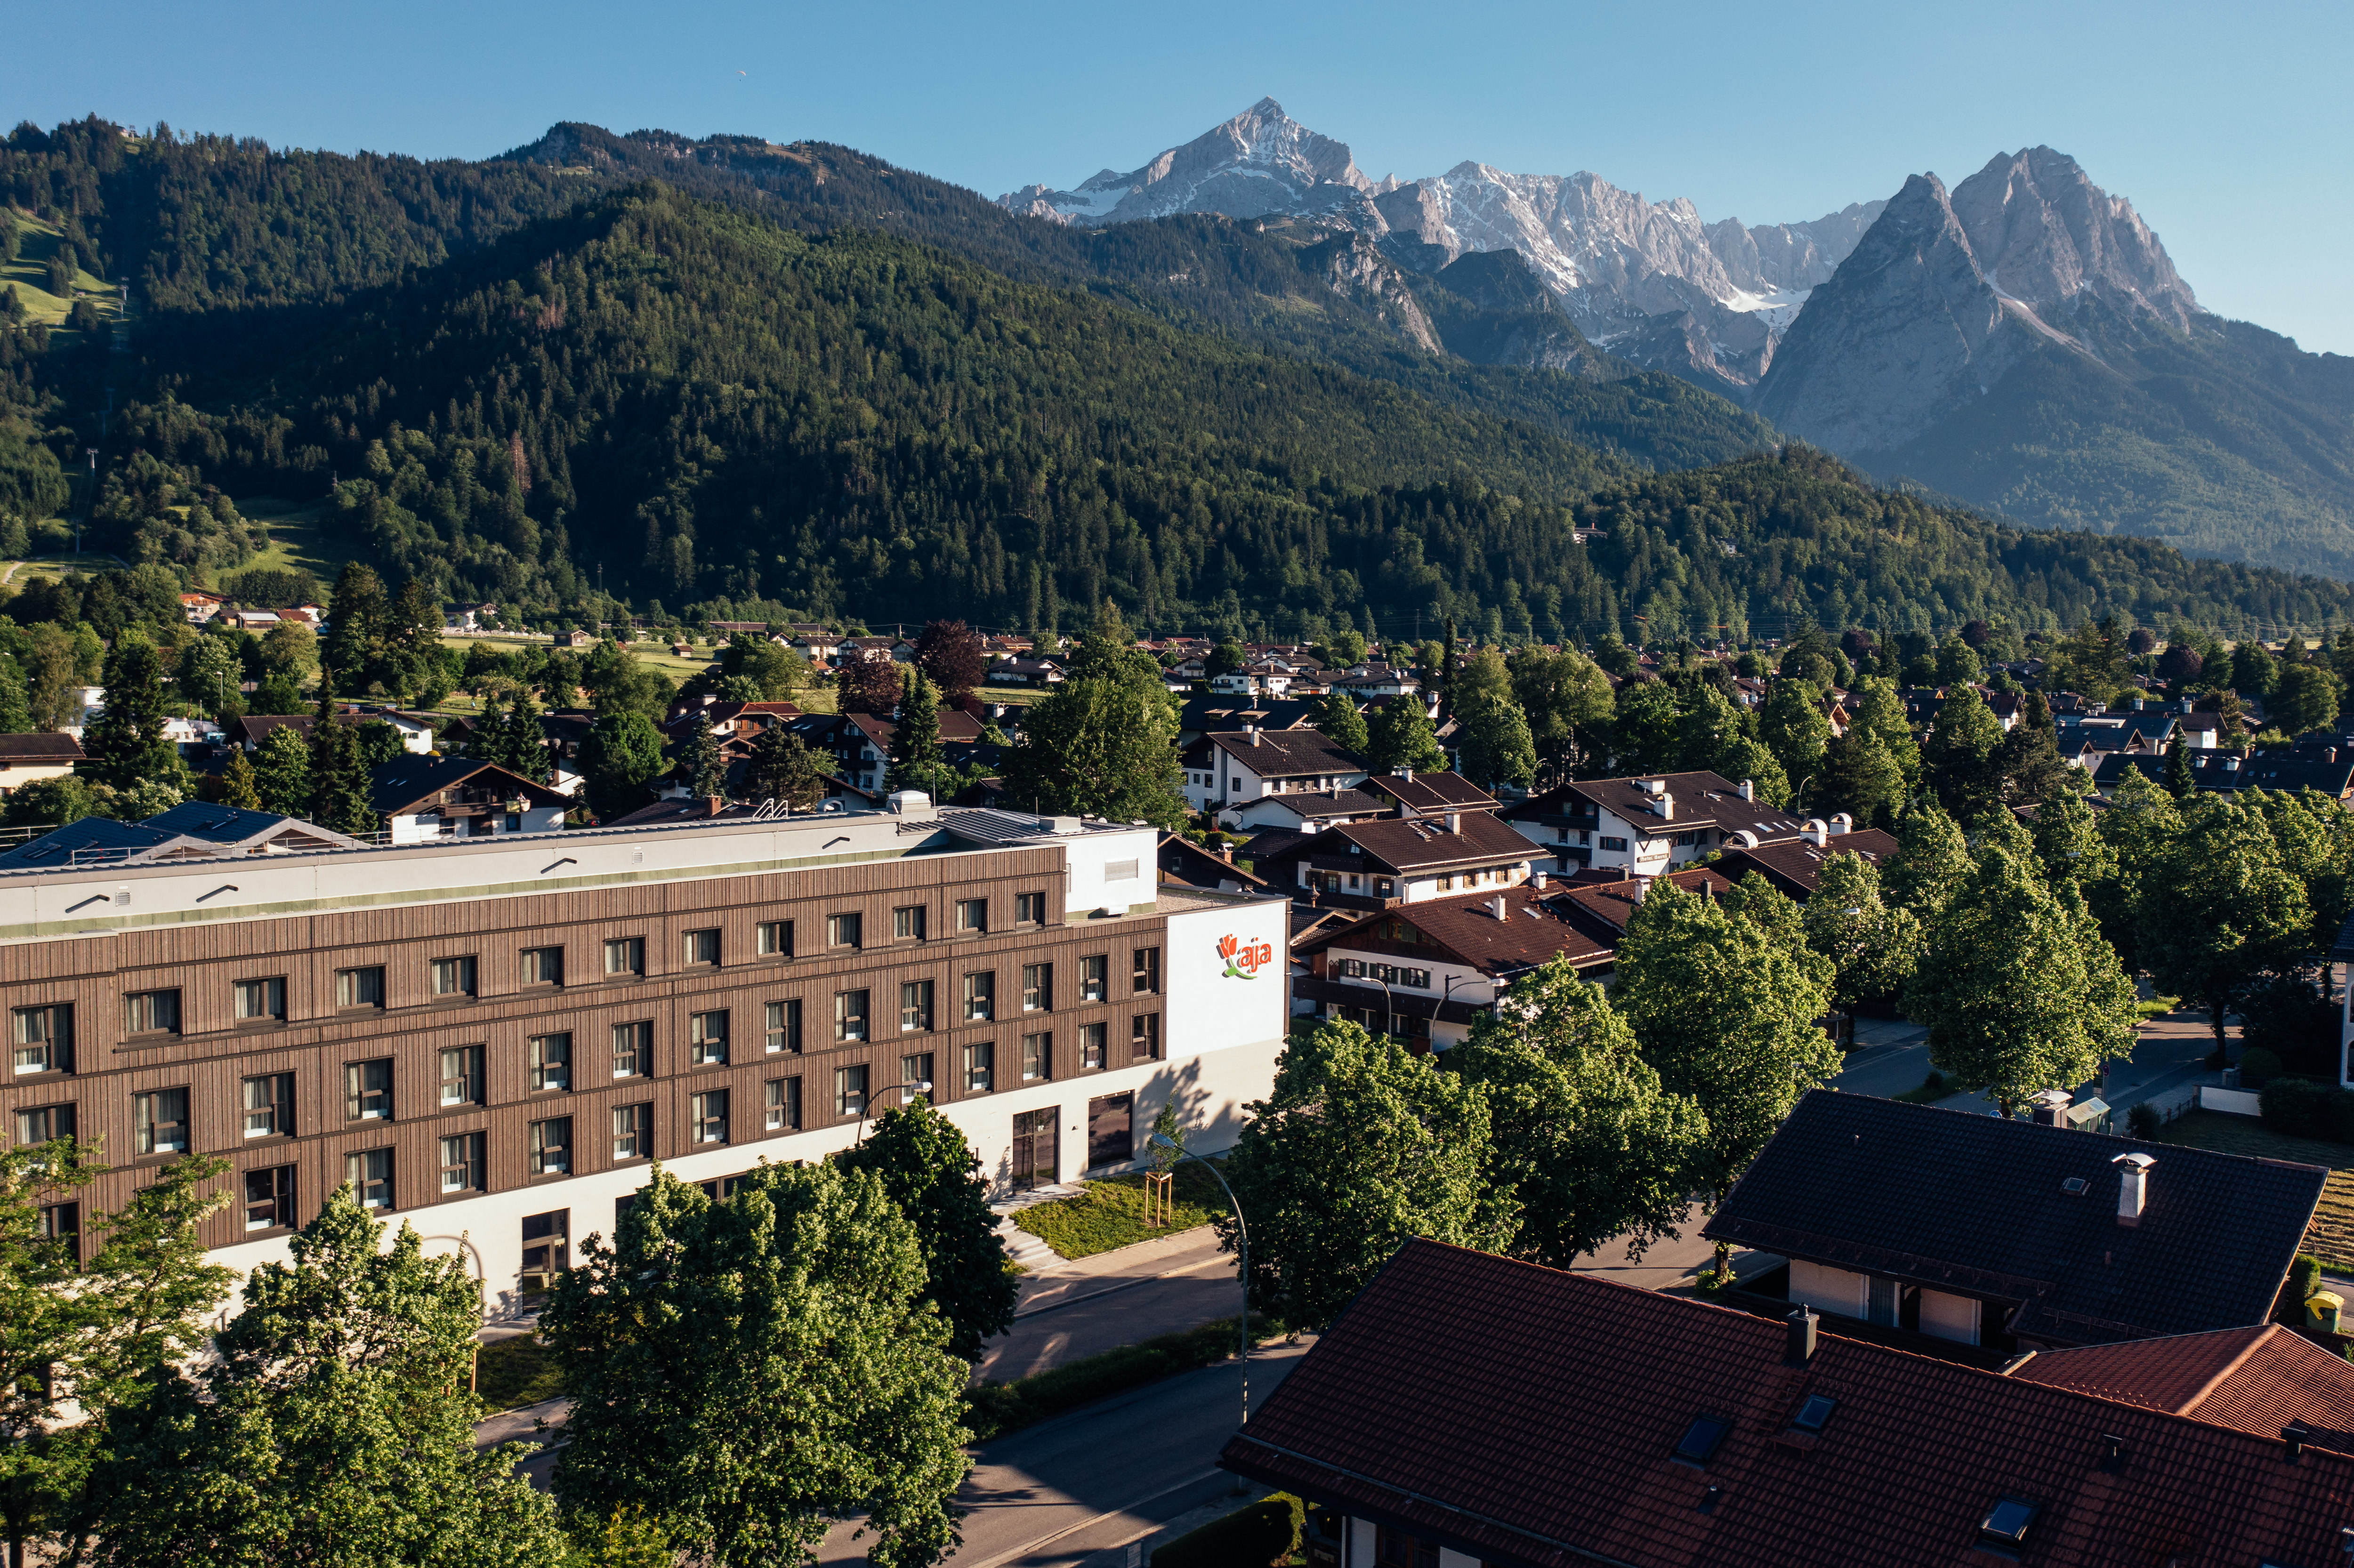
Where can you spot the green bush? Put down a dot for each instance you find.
(2297, 1107)
(2303, 1277)
(1263, 1534)
(2258, 1065)
(2288, 1016)
(993, 1409)
(2143, 1121)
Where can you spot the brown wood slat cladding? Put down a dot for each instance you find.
(214, 1053)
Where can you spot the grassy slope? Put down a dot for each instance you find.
(28, 275)
(2331, 1235)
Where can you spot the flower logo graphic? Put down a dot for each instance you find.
(1243, 960)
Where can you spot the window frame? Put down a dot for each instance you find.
(148, 1122)
(550, 1071)
(1144, 971)
(977, 1062)
(1095, 978)
(708, 1111)
(847, 1019)
(473, 1151)
(358, 1173)
(780, 1104)
(918, 1067)
(350, 982)
(701, 1039)
(162, 1017)
(1144, 1037)
(55, 1045)
(1030, 908)
(916, 1014)
(780, 1026)
(911, 923)
(773, 939)
(1038, 1057)
(464, 971)
(469, 1077)
(846, 931)
(277, 1105)
(978, 1002)
(1038, 987)
(972, 917)
(278, 1194)
(846, 1075)
(357, 1093)
(272, 989)
(532, 965)
(1094, 1047)
(640, 1035)
(548, 1148)
(632, 953)
(59, 1120)
(693, 945)
(639, 1131)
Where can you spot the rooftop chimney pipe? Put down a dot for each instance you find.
(1800, 1348)
(2133, 1187)
(1749, 789)
(1454, 822)
(1496, 907)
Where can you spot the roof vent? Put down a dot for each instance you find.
(2052, 1107)
(2133, 1186)
(1538, 878)
(1496, 907)
(1816, 831)
(1749, 789)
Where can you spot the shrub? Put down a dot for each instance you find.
(2287, 1015)
(993, 1409)
(2143, 1121)
(2258, 1065)
(2303, 1277)
(1265, 1532)
(1935, 1081)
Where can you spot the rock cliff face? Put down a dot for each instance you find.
(1260, 162)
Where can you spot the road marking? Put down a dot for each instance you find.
(1027, 1547)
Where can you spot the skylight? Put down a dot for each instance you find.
(2007, 1523)
(1702, 1439)
(1814, 1413)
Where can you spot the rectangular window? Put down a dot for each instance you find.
(1095, 977)
(843, 930)
(1144, 973)
(360, 987)
(367, 1090)
(633, 1049)
(549, 1145)
(1091, 1043)
(1397, 1549)
(1037, 1058)
(543, 965)
(850, 1091)
(849, 1015)
(908, 924)
(43, 1039)
(914, 1005)
(461, 1076)
(780, 1104)
(972, 915)
(62, 1222)
(453, 977)
(151, 1012)
(783, 1026)
(981, 997)
(980, 1066)
(776, 939)
(626, 955)
(1119, 871)
(551, 1061)
(162, 1121)
(1144, 1037)
(462, 1162)
(269, 1198)
(269, 1106)
(701, 947)
(1029, 909)
(547, 1238)
(43, 1123)
(1610, 843)
(708, 1117)
(914, 1077)
(261, 999)
(1037, 987)
(1417, 979)
(706, 1038)
(633, 1131)
(370, 1173)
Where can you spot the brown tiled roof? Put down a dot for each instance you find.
(1978, 1205)
(1527, 1416)
(1701, 800)
(1427, 792)
(1284, 753)
(1182, 859)
(1794, 865)
(2255, 1379)
(1532, 931)
(1424, 844)
(39, 748)
(1610, 905)
(1322, 805)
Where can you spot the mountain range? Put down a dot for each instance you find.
(2021, 342)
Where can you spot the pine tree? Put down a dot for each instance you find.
(522, 744)
(357, 618)
(127, 737)
(239, 784)
(705, 770)
(282, 778)
(2179, 781)
(784, 768)
(916, 762)
(340, 786)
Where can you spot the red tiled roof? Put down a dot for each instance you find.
(1539, 1428)
(1613, 903)
(2254, 1380)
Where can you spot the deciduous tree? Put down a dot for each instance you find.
(1872, 947)
(1495, 747)
(1796, 730)
(1931, 862)
(783, 767)
(2218, 908)
(949, 653)
(1338, 720)
(1398, 734)
(1961, 756)
(619, 756)
(934, 1176)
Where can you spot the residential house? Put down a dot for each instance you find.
(424, 798)
(2254, 1380)
(1429, 794)
(818, 646)
(1189, 864)
(193, 829)
(1648, 824)
(1202, 716)
(200, 606)
(464, 618)
(576, 638)
(1564, 1419)
(1225, 769)
(2011, 1234)
(1025, 672)
(2329, 769)
(29, 759)
(1307, 811)
(1394, 860)
(1795, 866)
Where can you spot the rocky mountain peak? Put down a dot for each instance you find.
(2045, 235)
(1259, 163)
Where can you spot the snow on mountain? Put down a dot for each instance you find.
(1260, 162)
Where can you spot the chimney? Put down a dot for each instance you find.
(1643, 886)
(1538, 877)
(1404, 773)
(1496, 907)
(1841, 823)
(1251, 730)
(1454, 822)
(2052, 1107)
(1816, 833)
(1800, 1348)
(2133, 1187)
(1749, 789)
(1667, 807)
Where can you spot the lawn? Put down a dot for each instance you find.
(296, 540)
(28, 275)
(513, 1372)
(1110, 1213)
(2331, 1236)
(55, 566)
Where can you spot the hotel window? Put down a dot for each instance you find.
(914, 1077)
(1091, 1043)
(783, 1026)
(549, 1147)
(980, 1066)
(269, 1106)
(908, 924)
(269, 1198)
(161, 1121)
(1037, 1058)
(1620, 845)
(1397, 1549)
(850, 1091)
(980, 996)
(367, 1090)
(1037, 987)
(261, 999)
(843, 930)
(633, 1131)
(706, 1038)
(633, 1049)
(370, 1173)
(360, 987)
(1144, 1037)
(461, 1076)
(43, 1039)
(849, 1015)
(972, 915)
(780, 1104)
(626, 955)
(776, 939)
(707, 1114)
(914, 1005)
(1094, 976)
(1419, 979)
(453, 977)
(151, 1012)
(701, 949)
(1144, 973)
(62, 1222)
(1029, 909)
(43, 1123)
(551, 1061)
(462, 1161)
(543, 965)
(546, 1239)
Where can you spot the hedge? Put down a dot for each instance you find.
(1259, 1536)
(993, 1409)
(2303, 1109)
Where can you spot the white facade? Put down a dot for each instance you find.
(429, 826)
(1852, 1295)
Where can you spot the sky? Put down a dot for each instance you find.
(2226, 127)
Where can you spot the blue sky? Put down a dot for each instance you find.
(2227, 127)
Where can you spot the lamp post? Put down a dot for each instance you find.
(866, 1104)
(1389, 1004)
(1242, 1232)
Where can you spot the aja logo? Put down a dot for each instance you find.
(1244, 958)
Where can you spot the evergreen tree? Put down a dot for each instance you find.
(281, 779)
(523, 741)
(783, 767)
(1449, 658)
(411, 662)
(2179, 781)
(1103, 745)
(127, 739)
(1645, 729)
(917, 761)
(16, 705)
(340, 785)
(1337, 719)
(619, 756)
(1398, 734)
(240, 784)
(705, 769)
(358, 618)
(934, 1176)
(2028, 757)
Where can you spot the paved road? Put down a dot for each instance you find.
(1091, 1304)
(1894, 1057)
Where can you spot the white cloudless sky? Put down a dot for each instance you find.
(2228, 127)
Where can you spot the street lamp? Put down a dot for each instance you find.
(1242, 1232)
(866, 1103)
